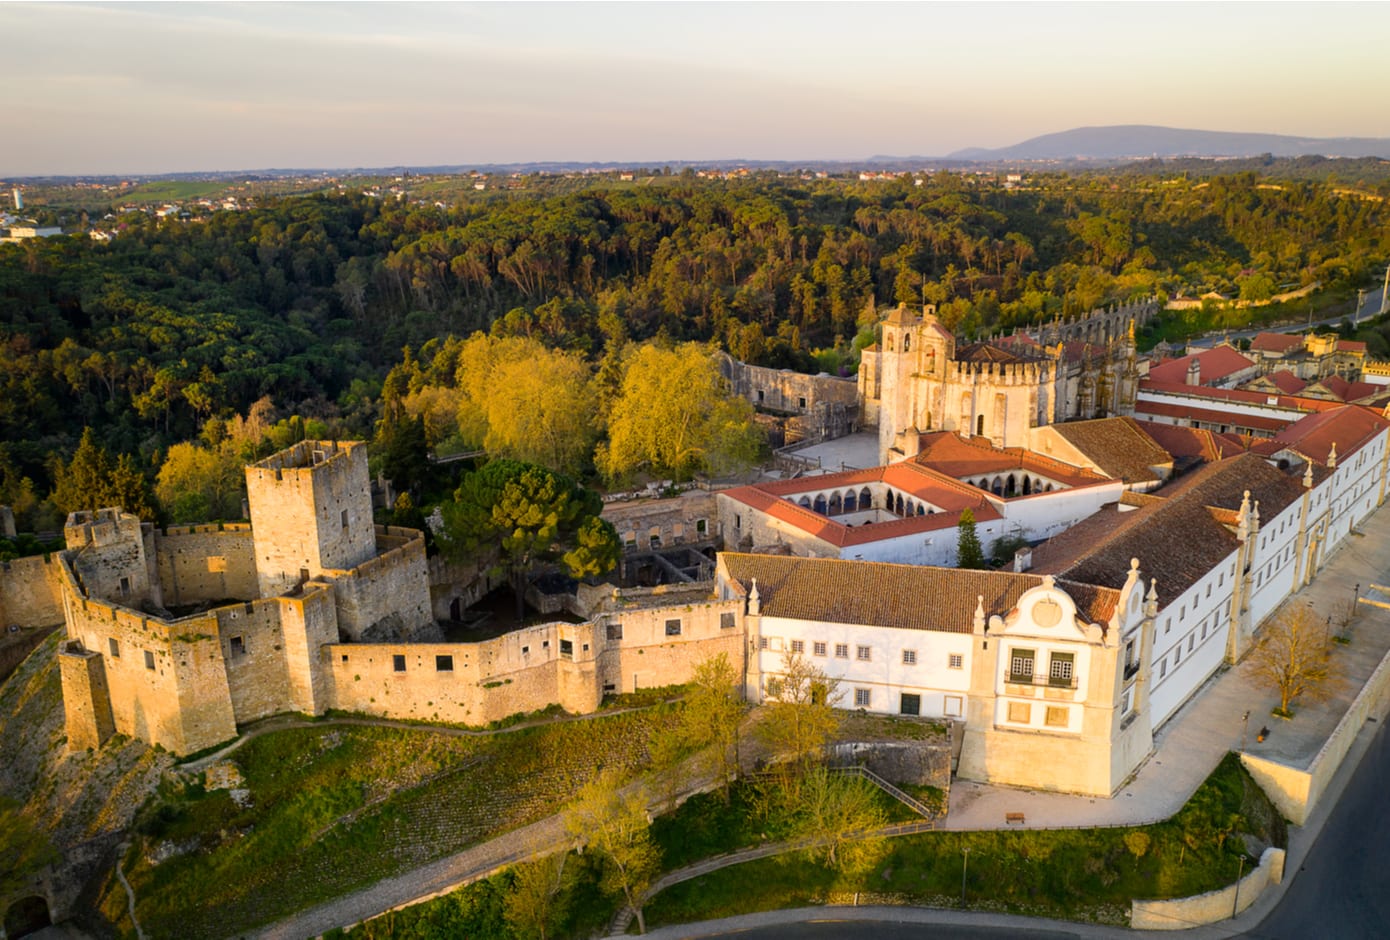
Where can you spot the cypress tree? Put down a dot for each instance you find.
(969, 554)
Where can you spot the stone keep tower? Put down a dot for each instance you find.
(311, 511)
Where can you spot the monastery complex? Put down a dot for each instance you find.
(1159, 521)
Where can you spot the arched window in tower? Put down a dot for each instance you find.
(907, 341)
(931, 358)
(980, 426)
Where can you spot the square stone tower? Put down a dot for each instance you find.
(311, 511)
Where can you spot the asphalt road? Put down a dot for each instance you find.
(1370, 307)
(1341, 892)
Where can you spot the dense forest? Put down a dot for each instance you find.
(235, 327)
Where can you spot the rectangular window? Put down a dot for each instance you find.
(861, 698)
(615, 631)
(909, 657)
(953, 705)
(818, 648)
(1021, 666)
(149, 660)
(842, 651)
(444, 664)
(911, 704)
(125, 586)
(1167, 625)
(1056, 717)
(728, 620)
(955, 661)
(115, 648)
(344, 518)
(701, 527)
(1020, 712)
(398, 663)
(763, 643)
(1189, 642)
(526, 651)
(1060, 669)
(1162, 668)
(798, 646)
(238, 647)
(673, 627)
(566, 647)
(656, 539)
(863, 653)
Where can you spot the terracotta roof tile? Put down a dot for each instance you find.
(1350, 427)
(1276, 342)
(1286, 381)
(1207, 446)
(914, 597)
(1119, 446)
(955, 456)
(1216, 363)
(1176, 538)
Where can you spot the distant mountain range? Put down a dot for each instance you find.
(1140, 141)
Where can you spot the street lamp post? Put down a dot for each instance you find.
(964, 865)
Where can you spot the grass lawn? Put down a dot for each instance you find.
(333, 808)
(172, 190)
(1082, 874)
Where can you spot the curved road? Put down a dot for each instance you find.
(1339, 891)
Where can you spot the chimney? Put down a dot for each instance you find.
(1023, 559)
(1194, 371)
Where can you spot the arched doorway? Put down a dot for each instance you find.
(26, 916)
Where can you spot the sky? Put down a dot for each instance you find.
(136, 88)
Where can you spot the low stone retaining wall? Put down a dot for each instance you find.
(1296, 791)
(1182, 913)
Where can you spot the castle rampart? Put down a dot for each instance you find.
(29, 592)
(203, 564)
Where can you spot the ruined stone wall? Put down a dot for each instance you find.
(200, 564)
(455, 586)
(110, 557)
(690, 517)
(311, 510)
(29, 594)
(787, 391)
(386, 597)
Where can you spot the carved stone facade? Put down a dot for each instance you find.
(918, 379)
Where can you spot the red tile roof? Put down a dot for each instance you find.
(1286, 381)
(1217, 395)
(1348, 345)
(1207, 446)
(1276, 342)
(1350, 427)
(1120, 446)
(1178, 539)
(958, 457)
(914, 597)
(919, 482)
(1216, 363)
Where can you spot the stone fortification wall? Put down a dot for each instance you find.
(206, 563)
(166, 679)
(787, 391)
(387, 597)
(1212, 907)
(568, 664)
(644, 653)
(271, 650)
(112, 554)
(455, 586)
(29, 592)
(920, 763)
(311, 510)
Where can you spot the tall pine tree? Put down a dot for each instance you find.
(969, 554)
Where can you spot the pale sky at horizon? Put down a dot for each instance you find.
(131, 88)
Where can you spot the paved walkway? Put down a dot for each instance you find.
(1190, 745)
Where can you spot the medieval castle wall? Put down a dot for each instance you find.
(387, 596)
(29, 592)
(206, 564)
(310, 512)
